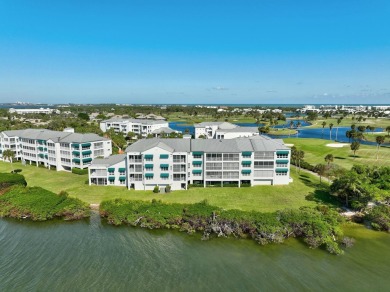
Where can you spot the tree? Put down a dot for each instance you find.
(83, 116)
(379, 140)
(355, 147)
(348, 134)
(320, 169)
(330, 131)
(9, 155)
(264, 130)
(370, 128)
(338, 123)
(388, 131)
(323, 126)
(329, 158)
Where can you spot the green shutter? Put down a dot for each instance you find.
(40, 148)
(122, 169)
(111, 178)
(282, 161)
(246, 162)
(246, 153)
(76, 160)
(246, 171)
(111, 169)
(281, 170)
(122, 178)
(149, 174)
(75, 145)
(164, 165)
(148, 156)
(148, 165)
(197, 153)
(164, 156)
(282, 152)
(196, 162)
(86, 145)
(164, 174)
(76, 153)
(87, 159)
(87, 152)
(41, 155)
(196, 171)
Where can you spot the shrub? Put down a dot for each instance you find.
(80, 171)
(168, 189)
(156, 190)
(16, 171)
(10, 179)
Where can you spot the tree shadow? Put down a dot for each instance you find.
(338, 157)
(320, 194)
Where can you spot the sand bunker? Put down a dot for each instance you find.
(289, 145)
(336, 145)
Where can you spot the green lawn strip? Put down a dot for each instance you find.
(316, 150)
(302, 192)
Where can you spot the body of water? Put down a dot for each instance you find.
(91, 256)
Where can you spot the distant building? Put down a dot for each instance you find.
(223, 130)
(63, 150)
(179, 162)
(141, 127)
(33, 111)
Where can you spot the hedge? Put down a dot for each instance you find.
(10, 179)
(80, 171)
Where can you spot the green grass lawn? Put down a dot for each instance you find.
(302, 192)
(190, 120)
(316, 150)
(347, 122)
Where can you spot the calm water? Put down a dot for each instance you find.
(91, 256)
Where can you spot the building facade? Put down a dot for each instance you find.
(141, 127)
(223, 130)
(62, 150)
(179, 163)
(23, 111)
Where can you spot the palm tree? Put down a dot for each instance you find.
(329, 158)
(330, 131)
(338, 123)
(348, 134)
(355, 147)
(320, 169)
(9, 155)
(379, 140)
(323, 126)
(300, 156)
(388, 131)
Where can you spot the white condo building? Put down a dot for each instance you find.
(142, 127)
(23, 111)
(223, 130)
(180, 162)
(62, 150)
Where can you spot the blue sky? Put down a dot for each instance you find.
(195, 51)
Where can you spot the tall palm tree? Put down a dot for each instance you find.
(330, 131)
(388, 131)
(323, 126)
(9, 155)
(338, 123)
(379, 140)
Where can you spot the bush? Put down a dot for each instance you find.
(168, 189)
(80, 171)
(10, 179)
(195, 186)
(316, 226)
(16, 171)
(156, 190)
(379, 216)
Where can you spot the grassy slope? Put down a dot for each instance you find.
(261, 198)
(316, 149)
(347, 122)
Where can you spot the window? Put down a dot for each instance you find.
(231, 157)
(122, 182)
(197, 156)
(279, 173)
(111, 182)
(231, 174)
(281, 155)
(122, 172)
(213, 174)
(281, 164)
(213, 157)
(264, 164)
(136, 177)
(179, 177)
(231, 165)
(179, 168)
(264, 155)
(214, 165)
(164, 168)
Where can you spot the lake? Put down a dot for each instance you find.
(93, 256)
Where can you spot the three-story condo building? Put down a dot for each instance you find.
(223, 130)
(141, 127)
(178, 163)
(62, 150)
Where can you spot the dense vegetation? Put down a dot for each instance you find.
(361, 185)
(379, 217)
(10, 179)
(39, 204)
(318, 227)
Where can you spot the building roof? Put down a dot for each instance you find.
(56, 136)
(108, 161)
(239, 130)
(139, 121)
(165, 130)
(255, 143)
